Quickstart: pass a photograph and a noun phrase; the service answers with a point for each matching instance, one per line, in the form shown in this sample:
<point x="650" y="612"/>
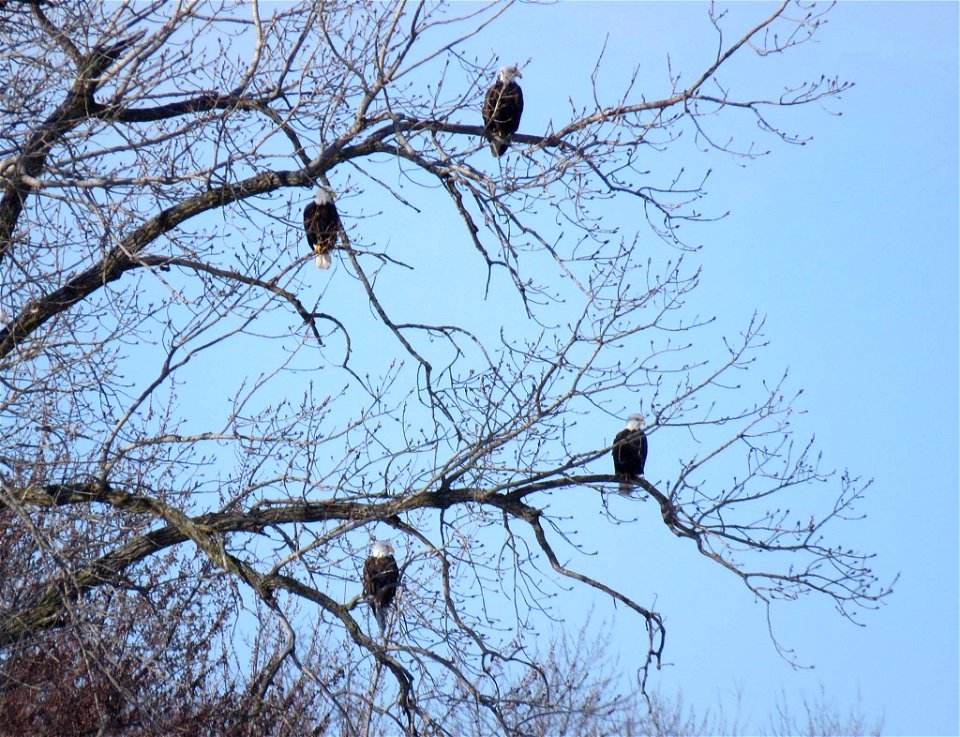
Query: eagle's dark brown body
<point x="629" y="455"/>
<point x="502" y="108"/>
<point x="321" y="221"/>
<point x="381" y="576"/>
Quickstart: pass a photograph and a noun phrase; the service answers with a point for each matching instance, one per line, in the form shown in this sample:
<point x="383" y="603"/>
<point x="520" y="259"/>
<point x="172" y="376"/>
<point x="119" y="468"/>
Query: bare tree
<point x="823" y="717"/>
<point x="578" y="688"/>
<point x="201" y="434"/>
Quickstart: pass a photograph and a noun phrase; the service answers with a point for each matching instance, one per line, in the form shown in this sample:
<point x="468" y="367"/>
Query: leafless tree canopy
<point x="201" y="433"/>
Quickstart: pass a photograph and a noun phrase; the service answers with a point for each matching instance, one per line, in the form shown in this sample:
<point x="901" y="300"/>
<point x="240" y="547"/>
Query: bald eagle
<point x="502" y="108"/>
<point x="630" y="452"/>
<point x="380" y="579"/>
<point x="322" y="224"/>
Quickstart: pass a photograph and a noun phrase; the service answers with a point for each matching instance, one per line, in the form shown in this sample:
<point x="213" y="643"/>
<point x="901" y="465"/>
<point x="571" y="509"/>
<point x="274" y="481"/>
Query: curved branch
<point x="125" y="256"/>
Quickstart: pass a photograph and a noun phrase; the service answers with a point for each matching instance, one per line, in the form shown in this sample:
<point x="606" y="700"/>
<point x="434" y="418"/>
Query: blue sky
<point x="849" y="246"/>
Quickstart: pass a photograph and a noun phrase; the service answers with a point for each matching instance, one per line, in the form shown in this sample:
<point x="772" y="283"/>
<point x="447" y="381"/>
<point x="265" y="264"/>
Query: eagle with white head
<point x="502" y="108"/>
<point x="321" y="221"/>
<point x="381" y="576"/>
<point x="630" y="452"/>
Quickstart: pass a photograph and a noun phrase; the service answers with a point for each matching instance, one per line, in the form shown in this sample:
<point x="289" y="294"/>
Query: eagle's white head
<point x="634" y="421"/>
<point x="323" y="196"/>
<point x="508" y="74"/>
<point x="381" y="549"/>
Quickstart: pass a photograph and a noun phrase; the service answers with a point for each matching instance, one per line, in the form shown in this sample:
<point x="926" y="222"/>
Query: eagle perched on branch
<point x="381" y="576"/>
<point x="630" y="452"/>
<point x="321" y="221"/>
<point x="502" y="108"/>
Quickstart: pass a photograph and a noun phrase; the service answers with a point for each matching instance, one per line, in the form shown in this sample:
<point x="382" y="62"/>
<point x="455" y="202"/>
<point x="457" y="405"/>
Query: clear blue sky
<point x="849" y="246"/>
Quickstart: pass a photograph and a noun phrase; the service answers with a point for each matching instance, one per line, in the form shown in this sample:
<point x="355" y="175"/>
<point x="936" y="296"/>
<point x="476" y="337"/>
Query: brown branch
<point x="124" y="256"/>
<point x="48" y="610"/>
<point x="74" y="109"/>
<point x="655" y="628"/>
